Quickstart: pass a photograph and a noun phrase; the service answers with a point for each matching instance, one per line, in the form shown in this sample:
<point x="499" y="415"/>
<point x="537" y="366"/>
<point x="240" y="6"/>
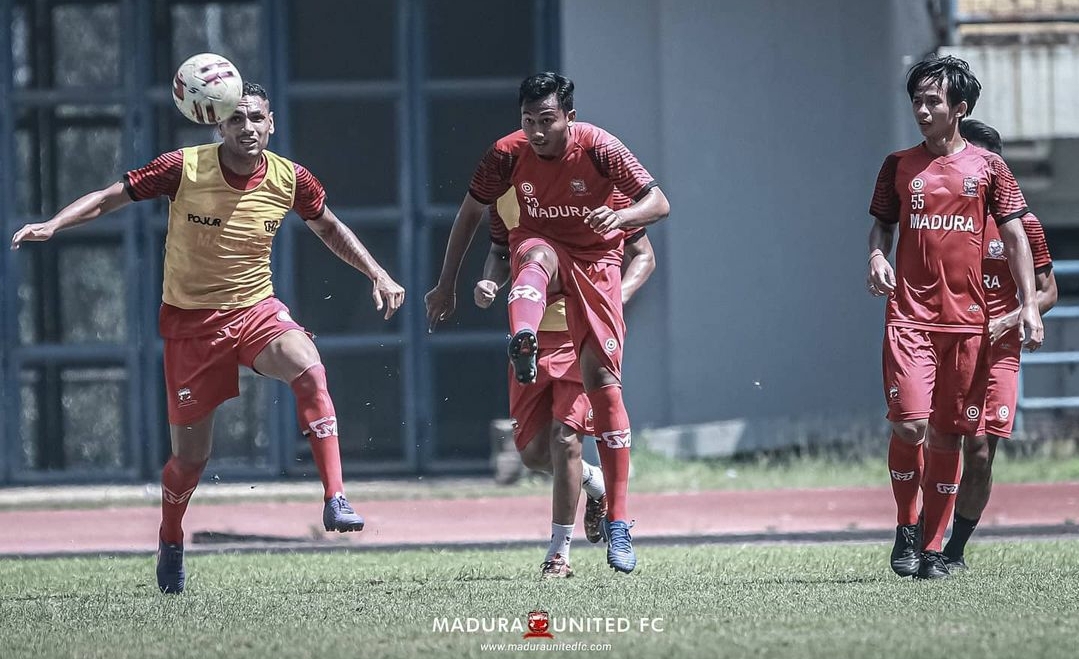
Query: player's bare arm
<point x="651" y="208"/>
<point x="881" y="278"/>
<point x="496" y="274"/>
<point x="386" y="292"/>
<point x="1021" y="264"/>
<point x="1046" y="284"/>
<point x="441" y="300"/>
<point x="84" y="209"/>
<point x="637" y="266"/>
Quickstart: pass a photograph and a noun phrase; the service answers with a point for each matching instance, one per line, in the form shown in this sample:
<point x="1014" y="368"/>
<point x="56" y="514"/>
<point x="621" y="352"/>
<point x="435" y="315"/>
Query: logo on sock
<point x="324" y="427"/>
<point x="526" y="292"/>
<point x="902" y="475"/>
<point x="617" y="438"/>
<point x="947" y="488"/>
<point x="171" y="497"/>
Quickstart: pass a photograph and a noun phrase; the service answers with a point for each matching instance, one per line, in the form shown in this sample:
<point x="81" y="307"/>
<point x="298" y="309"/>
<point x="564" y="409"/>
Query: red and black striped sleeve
<point x="1039" y="249"/>
<point x="492" y="177"/>
<point x="885" y="203"/>
<point x="1006" y="201"/>
<point x="310" y="198"/>
<point x="161" y="177"/>
<point x="616" y="162"/>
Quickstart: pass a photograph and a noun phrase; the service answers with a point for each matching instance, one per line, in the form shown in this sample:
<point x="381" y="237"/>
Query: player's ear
<point x="270" y="117"/>
<point x="961" y="109"/>
<point x="571" y="115"/>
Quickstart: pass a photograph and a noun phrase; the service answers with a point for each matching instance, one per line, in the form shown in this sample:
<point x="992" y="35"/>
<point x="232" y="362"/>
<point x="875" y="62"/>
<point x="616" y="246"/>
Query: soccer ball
<point x="207" y="88"/>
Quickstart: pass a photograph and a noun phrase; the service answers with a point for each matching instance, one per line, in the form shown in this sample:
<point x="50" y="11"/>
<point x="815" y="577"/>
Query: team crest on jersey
<point x="577" y="187"/>
<point x="917" y="184"/>
<point x="185" y="397"/>
<point x="527" y="188"/>
<point x="970" y="186"/>
<point x="893" y="392"/>
<point x="995" y="249"/>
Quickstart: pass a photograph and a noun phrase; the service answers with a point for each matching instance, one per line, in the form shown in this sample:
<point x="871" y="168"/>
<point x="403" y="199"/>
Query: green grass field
<point x="1020" y="599"/>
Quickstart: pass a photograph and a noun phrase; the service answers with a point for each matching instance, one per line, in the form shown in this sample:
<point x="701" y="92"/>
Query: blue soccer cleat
<point x="522" y="350"/>
<point x="170" y="567"/>
<point x="338" y="515"/>
<point x="620" y="555"/>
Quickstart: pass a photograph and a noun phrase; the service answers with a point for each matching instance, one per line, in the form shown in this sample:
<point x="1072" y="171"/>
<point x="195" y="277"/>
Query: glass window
<point x="362" y="34"/>
<point x="174" y="131"/>
<point x="351" y="147"/>
<point x="366" y="390"/>
<point x="30" y="419"/>
<point x="232" y="30"/>
<point x="471" y="390"/>
<point x="332" y="297"/>
<point x="93" y="293"/>
<point x="241" y="436"/>
<point x="20" y="47"/>
<point x="459" y="133"/>
<point x="86" y="38"/>
<point x="28" y="163"/>
<point x="88" y="154"/>
<point x="468" y="316"/>
<point x="93" y="401"/>
<point x="475" y="38"/>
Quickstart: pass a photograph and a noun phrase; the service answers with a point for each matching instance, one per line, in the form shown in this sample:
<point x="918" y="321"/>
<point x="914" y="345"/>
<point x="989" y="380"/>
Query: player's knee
<point x="535" y="456"/>
<point x="977" y="457"/>
<point x="564" y="443"/>
<point x="310" y="382"/>
<point x="911" y="432"/>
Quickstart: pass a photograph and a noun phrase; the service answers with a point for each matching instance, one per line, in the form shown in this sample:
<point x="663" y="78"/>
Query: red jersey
<point x="500" y="225"/>
<point x="1001" y="292"/>
<point x="941" y="204"/>
<point x="161" y="178"/>
<point x="556" y="194"/>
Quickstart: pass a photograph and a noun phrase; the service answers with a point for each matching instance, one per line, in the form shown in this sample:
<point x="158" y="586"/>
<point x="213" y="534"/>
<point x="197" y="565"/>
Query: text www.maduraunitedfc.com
<point x="567" y="646"/>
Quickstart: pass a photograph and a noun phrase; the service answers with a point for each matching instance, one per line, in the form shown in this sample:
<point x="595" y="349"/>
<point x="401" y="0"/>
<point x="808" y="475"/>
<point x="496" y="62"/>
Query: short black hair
<point x="981" y="134"/>
<point x="962" y="85"/>
<point x="542" y="85"/>
<point x="255" y="89"/>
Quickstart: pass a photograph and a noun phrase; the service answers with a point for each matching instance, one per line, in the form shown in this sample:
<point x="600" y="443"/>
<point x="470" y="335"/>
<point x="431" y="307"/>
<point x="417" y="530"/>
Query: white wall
<point x="765" y="122"/>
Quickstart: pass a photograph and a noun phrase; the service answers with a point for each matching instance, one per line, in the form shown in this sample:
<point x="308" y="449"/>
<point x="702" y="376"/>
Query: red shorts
<point x="938" y="376"/>
<point x="593" y="292"/>
<point x="557" y="393"/>
<point x="205" y="347"/>
<point x="1002" y="392"/>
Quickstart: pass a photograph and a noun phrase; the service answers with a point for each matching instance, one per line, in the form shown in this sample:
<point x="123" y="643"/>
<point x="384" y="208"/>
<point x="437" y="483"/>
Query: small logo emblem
<point x="973" y="412"/>
<point x="538" y="624"/>
<point x="284" y="317"/>
<point x="185" y="397"/>
<point x="917" y="184"/>
<point x="577" y="187"/>
<point x="324" y="427"/>
<point x="947" y="488"/>
<point x="1003" y="413"/>
<point x="995" y="249"/>
<point x="271" y="226"/>
<point x="902" y="475"/>
<point x="527" y="188"/>
<point x="617" y="438"/>
<point x="970" y="186"/>
<point x="893" y="392"/>
<point x="610" y="345"/>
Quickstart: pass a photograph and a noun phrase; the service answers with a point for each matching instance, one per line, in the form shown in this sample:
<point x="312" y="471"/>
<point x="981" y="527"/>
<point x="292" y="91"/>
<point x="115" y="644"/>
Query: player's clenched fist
<point x="485" y="293"/>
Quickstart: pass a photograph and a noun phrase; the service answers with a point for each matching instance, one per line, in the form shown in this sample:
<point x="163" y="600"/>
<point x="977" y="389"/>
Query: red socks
<point x="528" y="298"/>
<point x="318" y="422"/>
<point x="905" y="465"/>
<point x="178" y="482"/>
<point x="941" y="486"/>
<point x="612" y="442"/>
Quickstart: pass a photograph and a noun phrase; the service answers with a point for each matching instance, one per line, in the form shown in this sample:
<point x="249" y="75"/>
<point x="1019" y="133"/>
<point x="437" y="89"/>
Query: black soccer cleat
<point x="905" y="559"/>
<point x="955" y="563"/>
<point x="933" y="566"/>
<point x="522" y="350"/>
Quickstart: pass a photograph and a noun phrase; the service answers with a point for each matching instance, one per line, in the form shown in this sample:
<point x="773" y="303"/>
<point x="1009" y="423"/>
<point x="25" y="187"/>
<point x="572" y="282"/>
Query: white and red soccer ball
<point x="207" y="88"/>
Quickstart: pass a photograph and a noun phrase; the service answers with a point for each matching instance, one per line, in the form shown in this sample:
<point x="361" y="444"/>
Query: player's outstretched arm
<point x="442" y="299"/>
<point x="651" y="208"/>
<point x="496" y="274"/>
<point x="1021" y="264"/>
<point x="87" y="207"/>
<point x="637" y="266"/>
<point x="386" y="293"/>
<point x="881" y="278"/>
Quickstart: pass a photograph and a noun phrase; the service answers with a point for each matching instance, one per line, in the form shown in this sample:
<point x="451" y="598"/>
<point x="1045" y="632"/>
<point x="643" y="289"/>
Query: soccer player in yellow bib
<point x="218" y="307"/>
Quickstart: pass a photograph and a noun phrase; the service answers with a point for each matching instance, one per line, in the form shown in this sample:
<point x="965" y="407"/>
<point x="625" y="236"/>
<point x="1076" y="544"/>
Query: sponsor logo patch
<point x="902" y="475"/>
<point x="973" y="412"/>
<point x="324" y="427"/>
<point x="970" y="186"/>
<point x="947" y="488"/>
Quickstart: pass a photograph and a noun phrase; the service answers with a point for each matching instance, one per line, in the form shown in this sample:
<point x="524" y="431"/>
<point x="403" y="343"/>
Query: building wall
<point x="765" y="123"/>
